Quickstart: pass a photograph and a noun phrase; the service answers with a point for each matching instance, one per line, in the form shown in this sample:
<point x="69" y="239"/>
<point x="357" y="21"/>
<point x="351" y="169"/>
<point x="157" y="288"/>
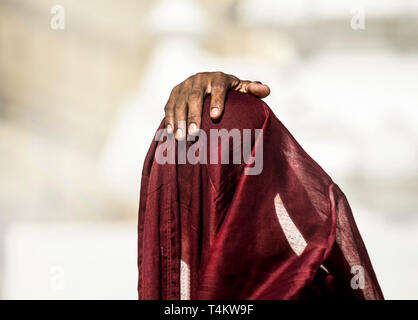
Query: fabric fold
<point x="213" y="231"/>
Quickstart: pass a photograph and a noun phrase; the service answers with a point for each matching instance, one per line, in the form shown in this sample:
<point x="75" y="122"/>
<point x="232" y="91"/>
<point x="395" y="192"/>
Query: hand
<point x="186" y="99"/>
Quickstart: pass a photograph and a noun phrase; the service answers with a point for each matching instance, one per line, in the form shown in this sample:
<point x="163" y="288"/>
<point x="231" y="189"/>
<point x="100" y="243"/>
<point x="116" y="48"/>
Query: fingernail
<point x="214" y="112"/>
<point x="193" y="128"/>
<point x="169" y="128"/>
<point x="179" y="133"/>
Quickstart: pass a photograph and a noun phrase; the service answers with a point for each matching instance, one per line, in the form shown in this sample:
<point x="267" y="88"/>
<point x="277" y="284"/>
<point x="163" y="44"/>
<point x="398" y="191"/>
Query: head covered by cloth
<point x="271" y="225"/>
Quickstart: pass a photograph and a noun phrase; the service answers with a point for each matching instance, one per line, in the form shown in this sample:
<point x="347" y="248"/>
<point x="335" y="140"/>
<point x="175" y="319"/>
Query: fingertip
<point x="169" y="128"/>
<point x="193" y="129"/>
<point x="179" y="134"/>
<point x="215" y="113"/>
<point x="259" y="89"/>
<point x="267" y="90"/>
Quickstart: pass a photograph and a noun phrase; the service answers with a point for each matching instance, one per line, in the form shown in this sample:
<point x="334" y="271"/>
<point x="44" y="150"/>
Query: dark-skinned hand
<point x="186" y="99"/>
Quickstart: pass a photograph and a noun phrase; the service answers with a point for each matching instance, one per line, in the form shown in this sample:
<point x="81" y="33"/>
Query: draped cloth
<point x="211" y="231"/>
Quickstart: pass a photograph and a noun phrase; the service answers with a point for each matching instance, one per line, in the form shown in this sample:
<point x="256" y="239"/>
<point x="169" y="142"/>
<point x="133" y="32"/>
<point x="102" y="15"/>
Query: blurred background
<point x="82" y="90"/>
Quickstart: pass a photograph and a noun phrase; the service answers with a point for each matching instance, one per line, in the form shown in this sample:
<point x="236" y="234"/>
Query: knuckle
<point x="194" y="95"/>
<point x="179" y="109"/>
<point x="187" y="80"/>
<point x="218" y="86"/>
<point x="198" y="77"/>
<point x="175" y="89"/>
<point x="200" y="74"/>
<point x="234" y="80"/>
<point x="168" y="109"/>
<point x="193" y="117"/>
<point x="188" y="85"/>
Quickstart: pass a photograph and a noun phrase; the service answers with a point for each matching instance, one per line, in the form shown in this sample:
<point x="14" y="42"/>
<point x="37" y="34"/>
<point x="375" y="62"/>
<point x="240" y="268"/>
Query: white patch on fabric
<point x="292" y="233"/>
<point x="184" y="281"/>
<point x="325" y="269"/>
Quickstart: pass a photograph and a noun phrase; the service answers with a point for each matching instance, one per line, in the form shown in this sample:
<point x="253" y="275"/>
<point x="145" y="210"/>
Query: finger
<point x="254" y="87"/>
<point x="218" y="91"/>
<point x="180" y="110"/>
<point x="258" y="89"/>
<point x="195" y="105"/>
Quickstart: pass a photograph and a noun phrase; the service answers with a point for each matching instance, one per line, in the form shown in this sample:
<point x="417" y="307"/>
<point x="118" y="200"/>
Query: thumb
<point x="258" y="89"/>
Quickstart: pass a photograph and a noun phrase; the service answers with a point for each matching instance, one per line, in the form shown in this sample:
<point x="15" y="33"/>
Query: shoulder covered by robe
<point x="211" y="231"/>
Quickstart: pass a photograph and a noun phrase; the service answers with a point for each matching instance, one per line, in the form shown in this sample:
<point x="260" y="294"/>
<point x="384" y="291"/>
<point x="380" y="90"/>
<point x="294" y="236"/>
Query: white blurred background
<point x="79" y="107"/>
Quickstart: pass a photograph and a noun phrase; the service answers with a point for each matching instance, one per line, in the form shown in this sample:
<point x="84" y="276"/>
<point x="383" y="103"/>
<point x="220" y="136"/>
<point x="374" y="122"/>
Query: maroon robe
<point x="210" y="231"/>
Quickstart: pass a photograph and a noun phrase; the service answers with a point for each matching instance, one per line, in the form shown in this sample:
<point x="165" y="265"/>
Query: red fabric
<point x="224" y="224"/>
